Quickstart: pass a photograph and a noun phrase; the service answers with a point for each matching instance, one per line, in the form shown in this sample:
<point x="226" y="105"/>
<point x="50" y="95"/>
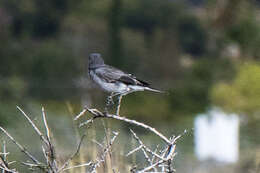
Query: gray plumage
<point x="114" y="80"/>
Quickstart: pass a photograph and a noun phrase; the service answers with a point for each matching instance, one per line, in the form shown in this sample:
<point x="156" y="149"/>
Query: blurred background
<point x="205" y="53"/>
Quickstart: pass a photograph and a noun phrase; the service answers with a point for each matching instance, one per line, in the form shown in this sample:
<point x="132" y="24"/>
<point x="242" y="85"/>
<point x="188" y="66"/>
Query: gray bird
<point x="114" y="80"/>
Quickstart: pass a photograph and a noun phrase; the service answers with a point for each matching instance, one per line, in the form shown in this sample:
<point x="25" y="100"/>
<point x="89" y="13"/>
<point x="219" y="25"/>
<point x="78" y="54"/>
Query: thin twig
<point x="143" y="147"/>
<point x="4" y="150"/>
<point x="4" y="165"/>
<point x="46" y="124"/>
<point x="34" y="126"/>
<point x="155" y="151"/>
<point x="23" y="149"/>
<point x="146" y="148"/>
<point x="63" y="167"/>
<point x="78" y="166"/>
<point x="151" y="167"/>
<point x="50" y="156"/>
<point x="97" y="114"/>
<point x="80" y="114"/>
<point x="106" y="141"/>
<point x="134" y="150"/>
<point x="45" y="154"/>
<point x="103" y="155"/>
<point x="7" y="170"/>
<point x="32" y="166"/>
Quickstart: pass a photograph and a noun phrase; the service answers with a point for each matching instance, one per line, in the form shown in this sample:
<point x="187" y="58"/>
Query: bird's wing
<point x="132" y="80"/>
<point x="111" y="74"/>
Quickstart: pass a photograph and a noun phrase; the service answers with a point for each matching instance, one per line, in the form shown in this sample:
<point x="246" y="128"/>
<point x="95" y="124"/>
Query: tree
<point x="242" y="94"/>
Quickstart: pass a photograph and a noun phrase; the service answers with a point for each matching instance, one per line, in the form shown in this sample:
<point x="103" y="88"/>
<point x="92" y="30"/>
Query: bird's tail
<point x="153" y="90"/>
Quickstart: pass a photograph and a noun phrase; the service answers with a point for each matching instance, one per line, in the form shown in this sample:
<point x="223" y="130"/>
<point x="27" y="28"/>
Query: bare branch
<point x="33" y="166"/>
<point x="80" y="114"/>
<point x="50" y="153"/>
<point x="150" y="167"/>
<point x="134" y="150"/>
<point x="7" y="170"/>
<point x="90" y="121"/>
<point x="145" y="147"/>
<point x="97" y="114"/>
<point x="99" y="144"/>
<point x="159" y="159"/>
<point x="101" y="159"/>
<point x="155" y="151"/>
<point x="63" y="167"/>
<point x="34" y="126"/>
<point x="46" y="124"/>
<point x="5" y="153"/>
<point x="77" y="166"/>
<point x="163" y="161"/>
<point x="23" y="149"/>
<point x="4" y="165"/>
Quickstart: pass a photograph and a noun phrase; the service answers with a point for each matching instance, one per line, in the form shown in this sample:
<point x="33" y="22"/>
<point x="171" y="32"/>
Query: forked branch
<point x="97" y="114"/>
<point x="158" y="160"/>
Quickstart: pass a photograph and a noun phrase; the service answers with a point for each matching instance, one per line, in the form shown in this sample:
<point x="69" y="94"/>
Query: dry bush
<point x="104" y="157"/>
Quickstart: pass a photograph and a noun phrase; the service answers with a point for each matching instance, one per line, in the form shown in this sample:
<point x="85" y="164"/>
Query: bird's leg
<point x="120" y="95"/>
<point x="109" y="102"/>
<point x="119" y="104"/>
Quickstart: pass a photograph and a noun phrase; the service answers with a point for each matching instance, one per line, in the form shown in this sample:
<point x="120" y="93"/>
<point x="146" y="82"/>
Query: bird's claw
<point x="109" y="104"/>
<point x="110" y="101"/>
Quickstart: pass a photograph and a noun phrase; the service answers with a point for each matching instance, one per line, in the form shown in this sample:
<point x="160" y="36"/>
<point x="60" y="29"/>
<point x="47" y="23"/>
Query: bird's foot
<point x="110" y="101"/>
<point x="109" y="104"/>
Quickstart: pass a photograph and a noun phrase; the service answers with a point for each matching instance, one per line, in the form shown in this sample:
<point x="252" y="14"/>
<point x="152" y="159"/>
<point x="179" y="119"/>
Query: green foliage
<point x="13" y="88"/>
<point x="246" y="33"/>
<point x="243" y="93"/>
<point x="146" y="106"/>
<point x="35" y="18"/>
<point x="115" y="25"/>
<point x="42" y="68"/>
<point x="192" y="36"/>
<point x="44" y="45"/>
<point x="192" y="96"/>
<point x="147" y="16"/>
<point x="54" y="71"/>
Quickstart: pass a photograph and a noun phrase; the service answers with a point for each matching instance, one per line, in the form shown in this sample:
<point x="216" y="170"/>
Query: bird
<point x="113" y="80"/>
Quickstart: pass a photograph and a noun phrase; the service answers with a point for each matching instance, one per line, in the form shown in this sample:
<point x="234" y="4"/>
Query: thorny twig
<point x="48" y="151"/>
<point x="4" y="164"/>
<point x="105" y="151"/>
<point x="78" y="166"/>
<point x="146" y="149"/>
<point x="161" y="160"/>
<point x="34" y="126"/>
<point x="97" y="114"/>
<point x="22" y="148"/>
<point x="64" y="166"/>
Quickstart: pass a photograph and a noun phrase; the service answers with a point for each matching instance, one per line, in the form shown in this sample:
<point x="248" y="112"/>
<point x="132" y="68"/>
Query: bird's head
<point x="95" y="60"/>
